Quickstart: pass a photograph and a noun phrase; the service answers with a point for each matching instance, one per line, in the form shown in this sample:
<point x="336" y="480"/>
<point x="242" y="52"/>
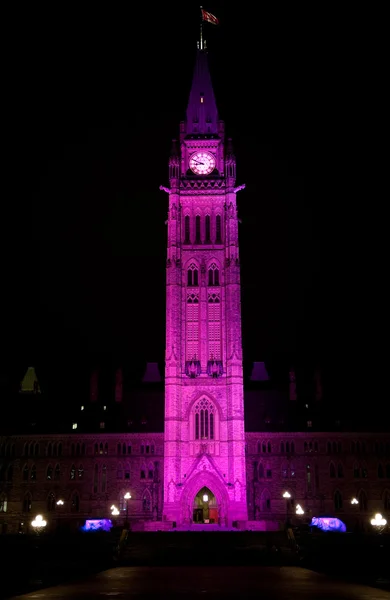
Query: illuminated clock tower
<point x="204" y="440"/>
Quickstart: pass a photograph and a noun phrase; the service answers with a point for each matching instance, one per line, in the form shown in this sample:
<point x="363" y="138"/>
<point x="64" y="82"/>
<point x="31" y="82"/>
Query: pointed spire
<point x="29" y="383"/>
<point x="202" y="113"/>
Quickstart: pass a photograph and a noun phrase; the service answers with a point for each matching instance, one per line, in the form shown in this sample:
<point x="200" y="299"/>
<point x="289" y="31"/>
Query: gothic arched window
<point x="104" y="478"/>
<point x="197" y="230"/>
<point x="192" y="318"/>
<point x="75" y="502"/>
<point x="72" y="474"/>
<point x="218" y="230"/>
<point x="192" y="275"/>
<point x="57" y="472"/>
<point x="213" y="275"/>
<point x="49" y="472"/>
<point x="207" y="230"/>
<point x="362" y="500"/>
<point x="340" y="470"/>
<point x="214" y="326"/>
<point x="150" y="471"/>
<point x="146" y="501"/>
<point x="81" y="472"/>
<point x="27" y="503"/>
<point x="51" y="502"/>
<point x="338" y="500"/>
<point x="33" y="473"/>
<point x="265" y="501"/>
<point x="95" y="479"/>
<point x="187" y="234"/>
<point x="25" y="473"/>
<point x="204" y="420"/>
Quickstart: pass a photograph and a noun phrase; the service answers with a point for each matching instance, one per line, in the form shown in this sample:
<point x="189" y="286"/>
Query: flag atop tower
<point x="206" y="16"/>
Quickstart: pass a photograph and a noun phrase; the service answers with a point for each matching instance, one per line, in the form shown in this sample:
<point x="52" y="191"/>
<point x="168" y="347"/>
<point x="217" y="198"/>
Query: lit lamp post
<point x="127" y="497"/>
<point x="287" y="496"/>
<point x="60" y="502"/>
<point x="299" y="510"/>
<point x="354" y="501"/>
<point x="114" y="510"/>
<point x="39" y="524"/>
<point x="378" y="522"/>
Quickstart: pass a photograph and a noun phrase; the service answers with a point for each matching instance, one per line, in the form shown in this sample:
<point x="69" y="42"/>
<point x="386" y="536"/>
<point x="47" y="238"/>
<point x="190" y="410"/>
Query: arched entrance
<point x="205" y="507"/>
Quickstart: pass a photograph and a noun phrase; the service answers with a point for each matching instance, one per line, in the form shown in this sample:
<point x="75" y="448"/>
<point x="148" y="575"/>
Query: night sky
<point x="97" y="96"/>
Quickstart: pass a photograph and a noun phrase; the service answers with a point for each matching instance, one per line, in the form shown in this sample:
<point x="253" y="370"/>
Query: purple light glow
<point x="328" y="524"/>
<point x="97" y="525"/>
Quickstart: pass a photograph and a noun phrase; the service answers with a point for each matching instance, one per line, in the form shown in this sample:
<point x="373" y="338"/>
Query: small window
<point x="207" y="230"/>
<point x="74" y="425"/>
<point x="197" y="230"/>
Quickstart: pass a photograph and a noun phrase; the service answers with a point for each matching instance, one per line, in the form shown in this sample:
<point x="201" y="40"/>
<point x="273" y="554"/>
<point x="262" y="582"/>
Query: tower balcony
<point x="214" y="368"/>
<point x="192" y="368"/>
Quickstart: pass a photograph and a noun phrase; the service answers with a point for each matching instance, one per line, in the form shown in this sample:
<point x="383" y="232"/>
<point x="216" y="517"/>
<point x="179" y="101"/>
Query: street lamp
<point x="114" y="510"/>
<point x="287" y="496"/>
<point x="354" y="501"/>
<point x="127" y="497"/>
<point x="378" y="522"/>
<point x="39" y="524"/>
<point x="299" y="510"/>
<point x="60" y="502"/>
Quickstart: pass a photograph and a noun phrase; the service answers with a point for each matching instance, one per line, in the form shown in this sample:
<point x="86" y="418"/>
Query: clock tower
<point x="204" y="440"/>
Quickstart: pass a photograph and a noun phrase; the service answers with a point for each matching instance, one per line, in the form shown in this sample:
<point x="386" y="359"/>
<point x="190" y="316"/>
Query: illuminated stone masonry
<point x="322" y="472"/>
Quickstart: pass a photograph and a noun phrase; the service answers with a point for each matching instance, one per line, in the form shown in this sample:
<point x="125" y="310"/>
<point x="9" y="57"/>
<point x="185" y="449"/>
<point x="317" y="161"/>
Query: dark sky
<point x="96" y="96"/>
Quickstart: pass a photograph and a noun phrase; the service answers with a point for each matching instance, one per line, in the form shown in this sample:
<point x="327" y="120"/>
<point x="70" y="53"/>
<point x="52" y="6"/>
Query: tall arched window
<point x="150" y="471"/>
<point x="207" y="230"/>
<point x="57" y="472"/>
<point x="332" y="470"/>
<point x="261" y="471"/>
<point x="204" y="415"/>
<point x="146" y="501"/>
<point x="187" y="232"/>
<point x="95" y="479"/>
<point x="33" y="473"/>
<point x="265" y="501"/>
<point x="362" y="500"/>
<point x="192" y="318"/>
<point x="27" y="502"/>
<point x="308" y="478"/>
<point x="25" y="473"/>
<point x="284" y="471"/>
<point x="51" y="502"/>
<point x="75" y="502"/>
<point x="49" y="472"/>
<point x="338" y="500"/>
<point x="81" y="472"/>
<point x="72" y="474"/>
<point x="197" y="230"/>
<point x="214" y="326"/>
<point x="213" y="275"/>
<point x="3" y="503"/>
<point x="218" y="230"/>
<point x="340" y="470"/>
<point x="192" y="275"/>
<point x="104" y="478"/>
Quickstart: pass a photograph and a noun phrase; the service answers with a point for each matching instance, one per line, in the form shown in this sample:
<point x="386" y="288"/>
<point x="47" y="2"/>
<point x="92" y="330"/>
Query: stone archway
<point x="217" y="489"/>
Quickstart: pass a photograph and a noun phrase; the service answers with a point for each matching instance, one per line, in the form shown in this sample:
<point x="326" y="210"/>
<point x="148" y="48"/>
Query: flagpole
<point x="201" y="30"/>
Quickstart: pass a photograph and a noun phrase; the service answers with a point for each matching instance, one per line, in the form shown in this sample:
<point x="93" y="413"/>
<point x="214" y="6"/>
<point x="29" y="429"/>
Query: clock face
<point x="202" y="163"/>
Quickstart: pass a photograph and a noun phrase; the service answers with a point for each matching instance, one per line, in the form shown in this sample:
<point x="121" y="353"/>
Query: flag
<point x="206" y="16"/>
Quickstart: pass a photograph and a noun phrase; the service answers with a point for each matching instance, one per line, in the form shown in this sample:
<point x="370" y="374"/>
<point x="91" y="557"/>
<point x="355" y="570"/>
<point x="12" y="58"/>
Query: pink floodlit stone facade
<point x="204" y="439"/>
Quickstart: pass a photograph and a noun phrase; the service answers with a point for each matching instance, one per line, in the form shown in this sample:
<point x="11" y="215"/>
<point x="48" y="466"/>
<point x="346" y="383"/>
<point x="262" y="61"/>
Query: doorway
<point x="205" y="508"/>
